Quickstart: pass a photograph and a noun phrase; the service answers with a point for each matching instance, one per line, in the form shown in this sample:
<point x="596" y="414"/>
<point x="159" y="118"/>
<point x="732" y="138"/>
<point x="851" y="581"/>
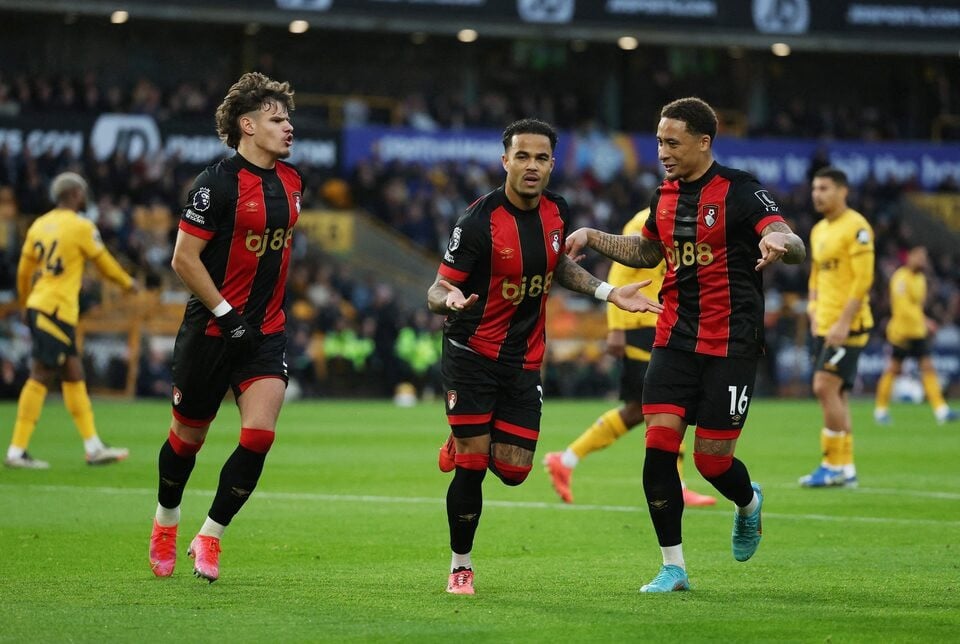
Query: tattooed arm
<point x="571" y="275"/>
<point x="777" y="241"/>
<point x="631" y="250"/>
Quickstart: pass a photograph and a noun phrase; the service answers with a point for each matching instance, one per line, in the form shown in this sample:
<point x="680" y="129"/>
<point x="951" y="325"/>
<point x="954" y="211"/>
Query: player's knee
<point x="663" y="438"/>
<point x="475" y="462"/>
<point x="510" y="474"/>
<point x="710" y="465"/>
<point x="257" y="440"/>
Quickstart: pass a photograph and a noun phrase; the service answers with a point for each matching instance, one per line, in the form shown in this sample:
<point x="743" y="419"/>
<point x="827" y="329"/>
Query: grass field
<point x="346" y="538"/>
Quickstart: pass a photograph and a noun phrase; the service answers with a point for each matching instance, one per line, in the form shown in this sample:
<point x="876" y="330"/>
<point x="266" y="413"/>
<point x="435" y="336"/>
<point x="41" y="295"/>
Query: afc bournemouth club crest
<point x="711" y="212"/>
<point x="451" y="399"/>
<point x="177" y="396"/>
<point x="296" y="201"/>
<point x="555" y="241"/>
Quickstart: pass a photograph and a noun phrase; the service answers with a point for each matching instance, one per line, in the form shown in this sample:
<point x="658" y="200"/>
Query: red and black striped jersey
<point x="507" y="257"/>
<point x="247" y="215"/>
<point x="710" y="232"/>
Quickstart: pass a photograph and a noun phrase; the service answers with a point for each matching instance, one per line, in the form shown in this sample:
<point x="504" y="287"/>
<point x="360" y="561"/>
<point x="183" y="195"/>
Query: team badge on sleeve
<point x="767" y="201"/>
<point x="863" y="236"/>
<point x="201" y="199"/>
<point x="455" y="239"/>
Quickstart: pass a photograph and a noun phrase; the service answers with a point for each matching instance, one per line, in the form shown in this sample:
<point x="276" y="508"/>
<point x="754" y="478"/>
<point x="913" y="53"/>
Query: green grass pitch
<point x="346" y="539"/>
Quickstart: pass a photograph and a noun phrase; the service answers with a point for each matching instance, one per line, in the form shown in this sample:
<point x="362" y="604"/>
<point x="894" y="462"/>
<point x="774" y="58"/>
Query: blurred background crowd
<point x="354" y="329"/>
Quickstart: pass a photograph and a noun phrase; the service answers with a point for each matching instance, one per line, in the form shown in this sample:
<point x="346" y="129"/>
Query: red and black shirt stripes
<point x="710" y="230"/>
<point x="247" y="215"/>
<point x="507" y="257"/>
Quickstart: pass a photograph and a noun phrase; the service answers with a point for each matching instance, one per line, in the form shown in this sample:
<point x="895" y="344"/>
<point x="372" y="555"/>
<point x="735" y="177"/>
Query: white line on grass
<point x="533" y="505"/>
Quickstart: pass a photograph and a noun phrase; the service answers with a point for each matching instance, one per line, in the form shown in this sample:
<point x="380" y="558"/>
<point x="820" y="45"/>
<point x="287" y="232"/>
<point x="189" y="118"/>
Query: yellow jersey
<point x="621" y="275"/>
<point x="52" y="260"/>
<point x="841" y="270"/>
<point x="908" y="293"/>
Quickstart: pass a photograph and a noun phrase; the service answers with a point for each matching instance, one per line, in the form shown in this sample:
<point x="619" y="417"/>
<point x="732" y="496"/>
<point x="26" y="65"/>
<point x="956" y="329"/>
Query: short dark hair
<point x="696" y="113"/>
<point x="838" y="176"/>
<point x="250" y="93"/>
<point x="529" y="126"/>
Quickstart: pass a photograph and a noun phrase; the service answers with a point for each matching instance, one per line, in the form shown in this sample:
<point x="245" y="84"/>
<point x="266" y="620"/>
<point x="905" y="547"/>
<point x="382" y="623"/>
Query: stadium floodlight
<point x="780" y="49"/>
<point x="119" y="17"/>
<point x="299" y="26"/>
<point x="627" y="43"/>
<point x="467" y="35"/>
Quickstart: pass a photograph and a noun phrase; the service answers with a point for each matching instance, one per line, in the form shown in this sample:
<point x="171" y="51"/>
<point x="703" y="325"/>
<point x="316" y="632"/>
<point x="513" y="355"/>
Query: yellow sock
<point x="28" y="412"/>
<point x="931" y="386"/>
<point x="884" y="387"/>
<point x="77" y="402"/>
<point x="607" y="429"/>
<point x="846" y="450"/>
<point x="832" y="443"/>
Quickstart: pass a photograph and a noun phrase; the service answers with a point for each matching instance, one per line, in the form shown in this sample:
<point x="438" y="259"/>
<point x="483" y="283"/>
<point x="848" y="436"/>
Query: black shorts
<point x="839" y="361"/>
<point x="485" y="397"/>
<point x="710" y="392"/>
<point x="203" y="369"/>
<point x="53" y="340"/>
<point x="633" y="369"/>
<point x="916" y="348"/>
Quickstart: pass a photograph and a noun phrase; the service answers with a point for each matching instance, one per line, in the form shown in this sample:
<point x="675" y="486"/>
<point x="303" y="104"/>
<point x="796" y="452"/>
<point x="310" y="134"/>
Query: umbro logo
<point x="506" y="253"/>
<point x="251" y="205"/>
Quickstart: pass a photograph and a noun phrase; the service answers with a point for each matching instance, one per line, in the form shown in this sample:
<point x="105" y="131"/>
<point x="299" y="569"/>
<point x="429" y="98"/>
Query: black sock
<point x="661" y="484"/>
<point x="464" y="504"/>
<point x="174" y="473"/>
<point x="238" y="478"/>
<point x="734" y="484"/>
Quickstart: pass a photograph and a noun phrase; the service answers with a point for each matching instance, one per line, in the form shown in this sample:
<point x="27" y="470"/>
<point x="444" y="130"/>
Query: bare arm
<point x="444" y="296"/>
<point x="188" y="267"/>
<point x="571" y="275"/>
<point x="632" y="250"/>
<point x="777" y="241"/>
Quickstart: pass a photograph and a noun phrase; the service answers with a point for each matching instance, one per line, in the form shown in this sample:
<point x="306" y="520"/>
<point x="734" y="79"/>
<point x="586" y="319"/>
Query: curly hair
<point x="696" y="113"/>
<point x="252" y="92"/>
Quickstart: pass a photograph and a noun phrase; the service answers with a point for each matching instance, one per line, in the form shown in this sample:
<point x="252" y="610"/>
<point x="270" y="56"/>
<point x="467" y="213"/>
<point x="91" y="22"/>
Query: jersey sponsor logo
<point x="275" y="240"/>
<point x="555" y="241"/>
<point x="177" y="396"/>
<point x="688" y="254"/>
<point x="710" y="212"/>
<point x="201" y="199"/>
<point x="767" y="201"/>
<point x="455" y="239"/>
<point x="538" y="285"/>
<point x="863" y="236"/>
<point x="451" y="398"/>
<point x="194" y="216"/>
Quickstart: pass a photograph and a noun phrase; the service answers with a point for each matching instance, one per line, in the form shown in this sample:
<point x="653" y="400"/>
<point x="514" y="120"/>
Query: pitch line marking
<point x="530" y="505"/>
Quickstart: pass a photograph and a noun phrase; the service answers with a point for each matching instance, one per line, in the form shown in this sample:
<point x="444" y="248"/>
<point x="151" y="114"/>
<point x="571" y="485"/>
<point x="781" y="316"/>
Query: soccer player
<point x="630" y="338"/>
<point x="907" y="333"/>
<point x="49" y="274"/>
<point x="232" y="252"/>
<point x="717" y="228"/>
<point x="505" y="252"/>
<point x="841" y="273"/>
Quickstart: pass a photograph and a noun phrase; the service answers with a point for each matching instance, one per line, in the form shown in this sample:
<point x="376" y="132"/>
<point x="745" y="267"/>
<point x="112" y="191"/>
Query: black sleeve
<point x="206" y="203"/>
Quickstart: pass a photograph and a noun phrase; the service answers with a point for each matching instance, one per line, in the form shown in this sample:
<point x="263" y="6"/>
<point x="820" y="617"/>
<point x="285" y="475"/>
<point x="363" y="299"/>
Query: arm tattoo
<point x="575" y="277"/>
<point x="631" y="250"/>
<point x="796" y="251"/>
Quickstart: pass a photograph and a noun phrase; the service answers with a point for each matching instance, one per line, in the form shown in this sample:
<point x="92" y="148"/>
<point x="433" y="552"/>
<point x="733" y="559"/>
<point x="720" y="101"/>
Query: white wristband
<point x="603" y="291"/>
<point x="221" y="309"/>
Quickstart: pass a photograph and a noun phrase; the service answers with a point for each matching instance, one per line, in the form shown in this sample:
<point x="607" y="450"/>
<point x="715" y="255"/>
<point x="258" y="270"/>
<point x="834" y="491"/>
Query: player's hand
<point x="240" y="337"/>
<point x="837" y="334"/>
<point x="616" y="342"/>
<point x="456" y="301"/>
<point x="629" y="298"/>
<point x="576" y="242"/>
<point x="772" y="247"/>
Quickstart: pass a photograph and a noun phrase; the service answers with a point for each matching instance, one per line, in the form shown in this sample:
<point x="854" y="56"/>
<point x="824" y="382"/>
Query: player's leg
<point x="669" y="397"/>
<point x="49" y="348"/>
<point x="470" y="386"/>
<point x="931" y="386"/>
<point x="77" y="401"/>
<point x="881" y="410"/>
<point x="727" y="392"/>
<point x="834" y="374"/>
<point x="516" y="424"/>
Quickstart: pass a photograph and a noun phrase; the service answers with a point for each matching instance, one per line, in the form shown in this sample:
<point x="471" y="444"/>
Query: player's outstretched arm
<point x="571" y="275"/>
<point x="445" y="296"/>
<point x="632" y="250"/>
<point x="778" y="242"/>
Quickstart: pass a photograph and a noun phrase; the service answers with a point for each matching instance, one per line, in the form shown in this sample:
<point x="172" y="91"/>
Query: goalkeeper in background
<point x="908" y="335"/>
<point x="629" y="337"/>
<point x="49" y="274"/>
